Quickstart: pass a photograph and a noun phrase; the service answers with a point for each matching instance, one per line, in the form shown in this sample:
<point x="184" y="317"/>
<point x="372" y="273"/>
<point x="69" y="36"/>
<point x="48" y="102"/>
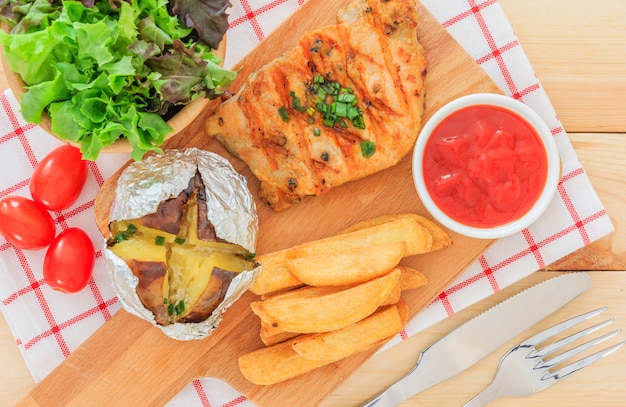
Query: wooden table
<point x="578" y="50"/>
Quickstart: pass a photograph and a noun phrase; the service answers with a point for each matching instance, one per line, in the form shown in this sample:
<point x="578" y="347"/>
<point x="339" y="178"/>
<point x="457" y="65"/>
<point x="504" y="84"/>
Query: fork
<point x="525" y="370"/>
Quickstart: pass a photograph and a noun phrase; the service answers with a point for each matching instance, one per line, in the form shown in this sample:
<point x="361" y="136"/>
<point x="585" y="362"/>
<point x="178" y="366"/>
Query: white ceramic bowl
<point x="514" y="225"/>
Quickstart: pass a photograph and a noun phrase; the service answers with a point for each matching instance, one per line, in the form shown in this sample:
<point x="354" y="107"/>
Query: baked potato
<point x="184" y="269"/>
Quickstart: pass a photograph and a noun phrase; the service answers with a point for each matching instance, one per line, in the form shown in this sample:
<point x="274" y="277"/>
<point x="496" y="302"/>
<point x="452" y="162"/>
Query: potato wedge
<point x="273" y="277"/>
<point x="410" y="278"/>
<point x="273" y="339"/>
<point x="339" y="344"/>
<point x="268" y="330"/>
<point x="403" y="310"/>
<point x="394" y="295"/>
<point x="304" y="292"/>
<point x="440" y="239"/>
<point x="275" y="364"/>
<point x="353" y="266"/>
<point x="326" y="312"/>
<point x="417" y="237"/>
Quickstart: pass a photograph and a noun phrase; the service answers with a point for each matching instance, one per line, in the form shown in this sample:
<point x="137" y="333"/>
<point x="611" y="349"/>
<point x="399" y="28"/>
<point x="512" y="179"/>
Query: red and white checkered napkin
<point x="48" y="325"/>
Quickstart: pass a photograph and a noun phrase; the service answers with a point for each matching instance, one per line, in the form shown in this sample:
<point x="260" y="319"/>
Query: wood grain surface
<point x="102" y="369"/>
<point x="598" y="385"/>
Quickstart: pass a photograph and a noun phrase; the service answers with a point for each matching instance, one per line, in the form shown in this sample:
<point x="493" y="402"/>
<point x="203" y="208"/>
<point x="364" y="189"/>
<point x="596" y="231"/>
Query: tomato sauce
<point x="484" y="166"/>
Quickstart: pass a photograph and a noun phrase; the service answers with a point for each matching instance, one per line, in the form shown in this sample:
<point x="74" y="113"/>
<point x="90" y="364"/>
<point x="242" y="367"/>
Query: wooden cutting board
<point x="129" y="362"/>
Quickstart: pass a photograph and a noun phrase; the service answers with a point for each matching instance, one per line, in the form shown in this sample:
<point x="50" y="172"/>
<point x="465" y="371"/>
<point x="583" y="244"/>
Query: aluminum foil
<point x="143" y="185"/>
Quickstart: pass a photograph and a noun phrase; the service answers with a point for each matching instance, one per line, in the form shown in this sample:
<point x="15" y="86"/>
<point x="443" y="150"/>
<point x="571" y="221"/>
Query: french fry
<point x="410" y="278"/>
<point x="417" y="237"/>
<point x="274" y="274"/>
<point x="303" y="292"/>
<point x="268" y="331"/>
<point x="339" y="344"/>
<point x="351" y="266"/>
<point x="394" y="295"/>
<point x="403" y="310"/>
<point x="273" y="339"/>
<point x="326" y="312"/>
<point x="275" y="364"/>
<point x="440" y="239"/>
<point x="271" y="335"/>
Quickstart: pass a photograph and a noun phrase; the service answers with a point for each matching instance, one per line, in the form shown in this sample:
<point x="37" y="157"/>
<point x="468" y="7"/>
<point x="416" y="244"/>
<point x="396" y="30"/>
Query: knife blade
<point x="483" y="334"/>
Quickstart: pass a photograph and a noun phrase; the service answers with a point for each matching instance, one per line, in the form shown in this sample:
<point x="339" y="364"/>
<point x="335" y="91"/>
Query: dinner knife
<point x="483" y="334"/>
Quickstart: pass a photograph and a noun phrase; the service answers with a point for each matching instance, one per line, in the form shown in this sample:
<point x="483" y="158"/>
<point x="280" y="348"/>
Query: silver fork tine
<point x="576" y="366"/>
<point x="578" y="349"/>
<point x="555" y="330"/>
<point x="553" y="347"/>
<point x="523" y="370"/>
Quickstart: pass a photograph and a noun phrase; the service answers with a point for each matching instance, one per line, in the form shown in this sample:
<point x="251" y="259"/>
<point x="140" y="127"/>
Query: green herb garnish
<point x="284" y="115"/>
<point x="125" y="235"/>
<point x="179" y="308"/>
<point x="368" y="148"/>
<point x="335" y="103"/>
<point x="159" y="241"/>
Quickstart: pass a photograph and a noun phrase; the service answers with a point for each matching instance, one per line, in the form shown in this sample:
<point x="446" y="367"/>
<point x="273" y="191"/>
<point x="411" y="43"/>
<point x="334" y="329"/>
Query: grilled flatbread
<point x="276" y="122"/>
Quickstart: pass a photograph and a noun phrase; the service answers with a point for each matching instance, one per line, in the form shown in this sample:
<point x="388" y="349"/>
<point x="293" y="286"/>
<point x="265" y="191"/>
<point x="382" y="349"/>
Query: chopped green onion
<point x="346" y="98"/>
<point x="180" y="307"/>
<point x="316" y="131"/>
<point x="159" y="241"/>
<point x="284" y="115"/>
<point x="179" y="240"/>
<point x="296" y="103"/>
<point x="358" y="122"/>
<point x="368" y="148"/>
<point x="125" y="235"/>
<point x="341" y="109"/>
<point x="335" y="102"/>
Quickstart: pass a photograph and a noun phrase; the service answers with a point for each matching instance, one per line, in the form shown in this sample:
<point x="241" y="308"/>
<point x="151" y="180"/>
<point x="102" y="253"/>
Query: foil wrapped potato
<point x="183" y="227"/>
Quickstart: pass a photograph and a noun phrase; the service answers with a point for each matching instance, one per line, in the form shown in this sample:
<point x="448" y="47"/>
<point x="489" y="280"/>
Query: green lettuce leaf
<point x="208" y="17"/>
<point x="104" y="70"/>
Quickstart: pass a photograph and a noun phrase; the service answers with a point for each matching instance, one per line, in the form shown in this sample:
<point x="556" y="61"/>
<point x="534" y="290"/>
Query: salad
<point x="109" y="69"/>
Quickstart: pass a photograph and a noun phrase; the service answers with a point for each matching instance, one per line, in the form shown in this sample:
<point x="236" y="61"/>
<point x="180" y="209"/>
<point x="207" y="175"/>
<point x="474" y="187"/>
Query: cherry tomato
<point x="25" y="224"/>
<point x="59" y="178"/>
<point x="68" y="264"/>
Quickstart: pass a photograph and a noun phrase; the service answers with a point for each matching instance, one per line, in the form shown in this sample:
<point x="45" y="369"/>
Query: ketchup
<point x="484" y="166"/>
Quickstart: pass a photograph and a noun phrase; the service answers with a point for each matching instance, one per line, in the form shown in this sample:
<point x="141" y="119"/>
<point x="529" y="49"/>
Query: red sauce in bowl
<point x="484" y="166"/>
